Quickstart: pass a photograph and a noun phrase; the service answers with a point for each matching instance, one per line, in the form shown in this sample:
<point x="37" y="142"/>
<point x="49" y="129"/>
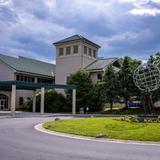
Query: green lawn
<point x="111" y="127"/>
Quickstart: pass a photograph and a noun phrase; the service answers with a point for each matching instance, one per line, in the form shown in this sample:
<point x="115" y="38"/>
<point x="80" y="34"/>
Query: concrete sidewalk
<point x="19" y="114"/>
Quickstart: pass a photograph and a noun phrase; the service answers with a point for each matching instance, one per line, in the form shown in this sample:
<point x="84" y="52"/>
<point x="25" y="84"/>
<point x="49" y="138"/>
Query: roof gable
<point x="28" y="65"/>
<point x="101" y="64"/>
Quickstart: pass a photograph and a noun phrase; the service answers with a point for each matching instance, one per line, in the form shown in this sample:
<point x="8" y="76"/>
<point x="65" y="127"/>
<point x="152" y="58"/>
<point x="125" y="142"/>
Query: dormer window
<point x="90" y="52"/>
<point x="61" y="50"/>
<point x="68" y="50"/>
<point x="75" y="49"/>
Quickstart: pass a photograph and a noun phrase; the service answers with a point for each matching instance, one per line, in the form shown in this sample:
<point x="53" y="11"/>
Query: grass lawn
<point x="111" y="127"/>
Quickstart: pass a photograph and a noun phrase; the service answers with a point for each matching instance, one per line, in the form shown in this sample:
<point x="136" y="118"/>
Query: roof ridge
<point x="29" y="65"/>
<point x="108" y="58"/>
<point x="91" y="63"/>
<point x="15" y="57"/>
<point x="22" y="57"/>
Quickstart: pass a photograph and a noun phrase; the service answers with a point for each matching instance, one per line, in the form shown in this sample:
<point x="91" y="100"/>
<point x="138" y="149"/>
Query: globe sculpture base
<point x="147" y="103"/>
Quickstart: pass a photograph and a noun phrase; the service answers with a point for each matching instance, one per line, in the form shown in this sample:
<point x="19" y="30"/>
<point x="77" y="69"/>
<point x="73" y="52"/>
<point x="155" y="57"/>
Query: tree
<point x="97" y="97"/>
<point x="110" y="85"/>
<point x="84" y="87"/>
<point x="127" y="86"/>
<point x="54" y="102"/>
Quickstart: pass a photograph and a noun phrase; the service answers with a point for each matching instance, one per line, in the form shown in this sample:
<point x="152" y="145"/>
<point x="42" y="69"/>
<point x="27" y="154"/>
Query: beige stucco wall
<point x="69" y="64"/>
<point x="86" y="58"/>
<point x="6" y="73"/>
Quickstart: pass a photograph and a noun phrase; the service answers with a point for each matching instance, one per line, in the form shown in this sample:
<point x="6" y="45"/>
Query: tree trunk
<point x="126" y="102"/>
<point x="111" y="105"/>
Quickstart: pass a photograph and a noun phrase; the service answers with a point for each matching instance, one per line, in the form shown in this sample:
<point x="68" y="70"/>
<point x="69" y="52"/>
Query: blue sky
<point x="122" y="27"/>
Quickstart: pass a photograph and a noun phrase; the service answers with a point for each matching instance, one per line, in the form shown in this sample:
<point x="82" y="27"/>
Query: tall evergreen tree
<point x="127" y="86"/>
<point x="110" y="85"/>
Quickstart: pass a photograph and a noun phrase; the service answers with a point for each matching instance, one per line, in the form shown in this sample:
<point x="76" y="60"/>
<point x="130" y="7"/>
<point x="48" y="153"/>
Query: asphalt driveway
<point x="20" y="141"/>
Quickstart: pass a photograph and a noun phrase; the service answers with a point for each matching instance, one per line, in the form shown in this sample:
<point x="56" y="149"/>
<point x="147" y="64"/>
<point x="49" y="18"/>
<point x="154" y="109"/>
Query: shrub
<point x="54" y="102"/>
<point x="140" y="119"/>
<point x="129" y="119"/>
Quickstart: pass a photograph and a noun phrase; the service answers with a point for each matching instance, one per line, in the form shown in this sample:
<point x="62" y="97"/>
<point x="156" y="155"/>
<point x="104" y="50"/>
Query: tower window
<point x="90" y="52"/>
<point x="94" y="53"/>
<point x="60" y="51"/>
<point x="75" y="49"/>
<point x="68" y="50"/>
<point x="85" y="49"/>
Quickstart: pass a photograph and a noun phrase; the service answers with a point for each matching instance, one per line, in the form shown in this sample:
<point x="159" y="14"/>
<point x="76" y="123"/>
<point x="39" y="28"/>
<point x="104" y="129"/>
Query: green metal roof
<point x="100" y="64"/>
<point x="23" y="64"/>
<point x="7" y="85"/>
<point x="76" y="37"/>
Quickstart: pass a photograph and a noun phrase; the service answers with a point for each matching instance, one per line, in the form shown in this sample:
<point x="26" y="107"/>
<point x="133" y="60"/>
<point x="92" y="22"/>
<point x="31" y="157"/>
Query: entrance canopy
<point x="17" y="85"/>
<point x="7" y="85"/>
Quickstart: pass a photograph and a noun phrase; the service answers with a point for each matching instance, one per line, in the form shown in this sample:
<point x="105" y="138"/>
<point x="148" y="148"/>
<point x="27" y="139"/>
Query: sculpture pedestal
<point x="147" y="103"/>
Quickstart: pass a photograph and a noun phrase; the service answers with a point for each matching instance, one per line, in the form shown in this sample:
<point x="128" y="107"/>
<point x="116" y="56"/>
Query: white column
<point x="13" y="100"/>
<point x="42" y="100"/>
<point x="74" y="101"/>
<point x="34" y="101"/>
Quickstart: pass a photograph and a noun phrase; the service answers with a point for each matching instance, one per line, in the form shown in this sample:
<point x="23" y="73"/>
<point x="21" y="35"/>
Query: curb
<point x="40" y="128"/>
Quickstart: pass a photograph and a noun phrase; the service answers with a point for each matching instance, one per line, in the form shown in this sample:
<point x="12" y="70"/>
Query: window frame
<point x="61" y="51"/>
<point x="75" y="49"/>
<point x="90" y="52"/>
<point x="85" y="50"/>
<point x="68" y="50"/>
<point x="94" y="53"/>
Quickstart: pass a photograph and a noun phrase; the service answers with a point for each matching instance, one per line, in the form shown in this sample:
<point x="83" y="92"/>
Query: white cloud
<point x="145" y="11"/>
<point x="144" y="7"/>
<point x="50" y="3"/>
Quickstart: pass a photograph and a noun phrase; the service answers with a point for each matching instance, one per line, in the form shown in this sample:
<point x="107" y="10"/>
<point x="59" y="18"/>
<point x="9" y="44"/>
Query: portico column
<point x="13" y="100"/>
<point x="34" y="101"/>
<point x="74" y="101"/>
<point x="42" y="100"/>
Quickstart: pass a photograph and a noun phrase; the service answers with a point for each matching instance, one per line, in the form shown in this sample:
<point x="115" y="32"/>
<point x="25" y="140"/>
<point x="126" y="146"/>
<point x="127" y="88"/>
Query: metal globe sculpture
<point x="147" y="77"/>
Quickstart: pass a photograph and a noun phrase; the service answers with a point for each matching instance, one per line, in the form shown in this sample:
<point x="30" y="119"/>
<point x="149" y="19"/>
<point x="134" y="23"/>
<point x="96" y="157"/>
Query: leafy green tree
<point x="110" y="85"/>
<point x="84" y="87"/>
<point x="54" y="102"/>
<point x="97" y="97"/>
<point x="127" y="87"/>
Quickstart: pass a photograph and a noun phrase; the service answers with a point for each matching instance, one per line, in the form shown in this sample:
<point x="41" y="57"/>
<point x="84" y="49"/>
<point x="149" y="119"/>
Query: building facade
<point x="25" y="70"/>
<point x="77" y="52"/>
<point x="72" y="53"/>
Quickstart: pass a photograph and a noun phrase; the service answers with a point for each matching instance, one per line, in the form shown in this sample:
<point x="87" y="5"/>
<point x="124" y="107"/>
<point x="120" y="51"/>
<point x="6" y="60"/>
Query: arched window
<point x="3" y="102"/>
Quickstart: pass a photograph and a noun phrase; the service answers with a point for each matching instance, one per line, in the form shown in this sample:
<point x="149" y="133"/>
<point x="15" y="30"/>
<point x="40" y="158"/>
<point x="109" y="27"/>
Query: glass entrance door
<point x="2" y="104"/>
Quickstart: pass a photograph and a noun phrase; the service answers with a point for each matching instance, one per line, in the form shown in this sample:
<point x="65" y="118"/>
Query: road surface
<point x="20" y="141"/>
